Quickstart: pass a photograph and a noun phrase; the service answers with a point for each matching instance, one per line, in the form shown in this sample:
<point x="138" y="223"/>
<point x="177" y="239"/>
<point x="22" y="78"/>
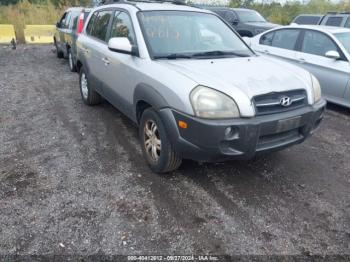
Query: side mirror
<point x="332" y="54"/>
<point x="122" y="45"/>
<point x="247" y="40"/>
<point x="58" y="24"/>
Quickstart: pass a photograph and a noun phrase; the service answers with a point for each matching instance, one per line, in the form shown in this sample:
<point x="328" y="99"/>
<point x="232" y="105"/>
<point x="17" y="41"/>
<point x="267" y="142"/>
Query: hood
<point x="266" y="25"/>
<point x="244" y="78"/>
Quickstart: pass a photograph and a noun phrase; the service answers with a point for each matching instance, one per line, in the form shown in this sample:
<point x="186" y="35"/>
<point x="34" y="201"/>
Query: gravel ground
<point x="73" y="181"/>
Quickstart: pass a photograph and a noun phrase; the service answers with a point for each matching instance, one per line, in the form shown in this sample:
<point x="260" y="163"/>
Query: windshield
<point x="249" y="16"/>
<point x="183" y="34"/>
<point x="344" y="38"/>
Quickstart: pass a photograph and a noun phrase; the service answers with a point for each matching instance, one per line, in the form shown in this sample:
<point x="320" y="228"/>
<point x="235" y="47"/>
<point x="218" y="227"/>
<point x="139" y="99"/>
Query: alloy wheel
<point x="84" y="86"/>
<point x="152" y="140"/>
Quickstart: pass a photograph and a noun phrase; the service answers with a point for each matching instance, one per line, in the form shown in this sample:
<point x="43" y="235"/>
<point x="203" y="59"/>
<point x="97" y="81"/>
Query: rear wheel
<point x="59" y="53"/>
<point x="72" y="66"/>
<point x="156" y="146"/>
<point x="88" y="94"/>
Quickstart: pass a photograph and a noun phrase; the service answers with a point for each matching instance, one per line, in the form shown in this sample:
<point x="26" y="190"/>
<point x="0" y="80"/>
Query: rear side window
<point x="285" y="39"/>
<point x="91" y="23"/>
<point x="99" y="25"/>
<point x="267" y="39"/>
<point x="74" y="20"/>
<point x="334" y="21"/>
<point x="307" y="20"/>
<point x="67" y="20"/>
<point x="63" y="20"/>
<point x="220" y="13"/>
<point x="347" y="23"/>
<point x="317" y="43"/>
<point x="122" y="27"/>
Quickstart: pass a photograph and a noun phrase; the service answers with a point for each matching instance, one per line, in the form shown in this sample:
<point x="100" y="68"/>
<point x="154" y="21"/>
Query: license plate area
<point x="288" y="124"/>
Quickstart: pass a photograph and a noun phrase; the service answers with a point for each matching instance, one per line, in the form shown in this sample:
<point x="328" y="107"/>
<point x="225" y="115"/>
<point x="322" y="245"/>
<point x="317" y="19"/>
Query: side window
<point x="122" y="27"/>
<point x="220" y="13"/>
<point x="266" y="39"/>
<point x="91" y="23"/>
<point x="347" y="23"/>
<point x="230" y="16"/>
<point x="285" y="39"/>
<point x="334" y="21"/>
<point x="63" y="20"/>
<point x="66" y="22"/>
<point x="100" y="25"/>
<point x="317" y="43"/>
<point x="74" y="20"/>
<point x="307" y="20"/>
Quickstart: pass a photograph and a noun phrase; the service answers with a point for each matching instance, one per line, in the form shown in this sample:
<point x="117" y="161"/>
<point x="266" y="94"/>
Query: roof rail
<point x="134" y="2"/>
<point x="345" y="13"/>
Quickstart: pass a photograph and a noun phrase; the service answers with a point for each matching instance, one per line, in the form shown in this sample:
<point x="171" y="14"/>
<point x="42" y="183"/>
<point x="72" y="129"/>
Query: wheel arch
<point x="146" y="96"/>
<point x="79" y="65"/>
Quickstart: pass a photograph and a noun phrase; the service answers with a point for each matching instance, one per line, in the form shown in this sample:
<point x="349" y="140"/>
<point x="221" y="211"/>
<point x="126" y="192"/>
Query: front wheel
<point x="156" y="146"/>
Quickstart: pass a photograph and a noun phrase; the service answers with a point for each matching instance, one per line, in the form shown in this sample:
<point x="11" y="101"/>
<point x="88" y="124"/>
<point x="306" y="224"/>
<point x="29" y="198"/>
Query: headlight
<point x="316" y="89"/>
<point x="209" y="103"/>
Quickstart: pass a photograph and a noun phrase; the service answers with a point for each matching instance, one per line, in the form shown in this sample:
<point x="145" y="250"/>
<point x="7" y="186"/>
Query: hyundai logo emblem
<point x="285" y="101"/>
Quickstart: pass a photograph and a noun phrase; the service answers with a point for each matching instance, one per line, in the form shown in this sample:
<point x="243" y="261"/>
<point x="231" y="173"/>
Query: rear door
<point x="95" y="47"/>
<point x="72" y="35"/>
<point x="332" y="74"/>
<point x="65" y="32"/>
<point x="280" y="43"/>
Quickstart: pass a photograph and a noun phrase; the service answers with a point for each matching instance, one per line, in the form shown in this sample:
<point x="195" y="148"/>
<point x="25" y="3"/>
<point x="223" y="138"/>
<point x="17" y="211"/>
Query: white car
<point x="323" y="51"/>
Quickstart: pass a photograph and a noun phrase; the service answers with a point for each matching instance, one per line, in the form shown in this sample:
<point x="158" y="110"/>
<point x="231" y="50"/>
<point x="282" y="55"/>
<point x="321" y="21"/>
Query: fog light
<point x="228" y="132"/>
<point x="231" y="133"/>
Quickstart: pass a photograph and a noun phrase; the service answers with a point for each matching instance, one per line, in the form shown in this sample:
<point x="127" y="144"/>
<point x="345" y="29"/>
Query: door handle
<point x="106" y="61"/>
<point x="85" y="50"/>
<point x="302" y="60"/>
<point x="266" y="51"/>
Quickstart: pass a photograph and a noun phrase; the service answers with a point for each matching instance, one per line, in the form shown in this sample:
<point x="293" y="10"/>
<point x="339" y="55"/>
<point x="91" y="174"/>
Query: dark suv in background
<point x="67" y="32"/>
<point x="246" y="22"/>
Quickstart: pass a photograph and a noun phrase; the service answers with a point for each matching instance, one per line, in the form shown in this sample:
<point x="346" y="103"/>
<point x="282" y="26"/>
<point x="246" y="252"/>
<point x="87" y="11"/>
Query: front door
<point x="121" y="67"/>
<point x="332" y="74"/>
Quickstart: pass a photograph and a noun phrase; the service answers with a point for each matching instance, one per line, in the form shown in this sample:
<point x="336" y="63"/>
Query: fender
<point x="150" y="95"/>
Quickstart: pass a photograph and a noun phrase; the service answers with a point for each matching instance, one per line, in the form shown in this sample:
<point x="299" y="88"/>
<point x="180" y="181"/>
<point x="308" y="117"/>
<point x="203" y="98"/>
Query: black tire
<point x="72" y="65"/>
<point x="59" y="53"/>
<point x="168" y="159"/>
<point x="90" y="97"/>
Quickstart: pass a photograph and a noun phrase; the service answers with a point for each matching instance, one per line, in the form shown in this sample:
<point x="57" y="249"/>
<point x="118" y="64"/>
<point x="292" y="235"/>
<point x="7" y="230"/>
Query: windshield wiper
<point x="219" y="53"/>
<point x="173" y="56"/>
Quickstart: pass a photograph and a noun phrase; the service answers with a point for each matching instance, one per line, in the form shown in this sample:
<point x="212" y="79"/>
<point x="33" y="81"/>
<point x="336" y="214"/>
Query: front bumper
<point x="242" y="138"/>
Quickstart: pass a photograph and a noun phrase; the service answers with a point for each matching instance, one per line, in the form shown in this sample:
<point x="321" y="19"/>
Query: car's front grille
<point x="279" y="102"/>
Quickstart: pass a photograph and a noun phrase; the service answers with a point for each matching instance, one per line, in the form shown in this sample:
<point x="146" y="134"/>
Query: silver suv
<point x="195" y="89"/>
